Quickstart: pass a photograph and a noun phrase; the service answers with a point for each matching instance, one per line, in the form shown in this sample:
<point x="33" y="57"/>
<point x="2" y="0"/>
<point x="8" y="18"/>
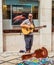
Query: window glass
<point x="23" y="11"/>
<point x="6" y="12"/>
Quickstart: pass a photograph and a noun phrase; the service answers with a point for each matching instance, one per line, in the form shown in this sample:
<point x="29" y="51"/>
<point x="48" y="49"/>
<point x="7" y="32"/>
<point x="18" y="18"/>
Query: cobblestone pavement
<point x="12" y="58"/>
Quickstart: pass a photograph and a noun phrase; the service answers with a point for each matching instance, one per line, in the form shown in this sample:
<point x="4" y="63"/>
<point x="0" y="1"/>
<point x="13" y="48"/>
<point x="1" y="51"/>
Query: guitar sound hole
<point x="27" y="29"/>
<point x="30" y="28"/>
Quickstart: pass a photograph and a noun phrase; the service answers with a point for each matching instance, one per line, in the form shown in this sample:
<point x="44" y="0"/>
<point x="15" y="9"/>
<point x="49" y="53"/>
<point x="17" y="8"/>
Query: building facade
<point x="42" y="16"/>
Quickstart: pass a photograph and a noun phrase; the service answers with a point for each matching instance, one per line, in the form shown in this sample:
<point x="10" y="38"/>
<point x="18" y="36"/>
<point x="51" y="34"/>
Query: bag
<point x="33" y="63"/>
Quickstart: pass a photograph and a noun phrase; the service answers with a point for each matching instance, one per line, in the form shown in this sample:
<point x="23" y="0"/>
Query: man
<point x="28" y="38"/>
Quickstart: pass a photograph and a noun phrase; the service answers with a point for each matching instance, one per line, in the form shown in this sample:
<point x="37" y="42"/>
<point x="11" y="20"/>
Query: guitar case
<point x="39" y="53"/>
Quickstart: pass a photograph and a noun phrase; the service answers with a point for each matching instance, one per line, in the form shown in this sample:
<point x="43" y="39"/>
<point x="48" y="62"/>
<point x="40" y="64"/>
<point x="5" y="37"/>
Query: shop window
<point x="12" y="10"/>
<point x="12" y="14"/>
<point x="20" y="13"/>
<point x="24" y="10"/>
<point x="35" y="12"/>
<point x="6" y="12"/>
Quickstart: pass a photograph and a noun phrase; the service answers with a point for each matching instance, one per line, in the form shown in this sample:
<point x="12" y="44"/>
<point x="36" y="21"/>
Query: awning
<point x="17" y="2"/>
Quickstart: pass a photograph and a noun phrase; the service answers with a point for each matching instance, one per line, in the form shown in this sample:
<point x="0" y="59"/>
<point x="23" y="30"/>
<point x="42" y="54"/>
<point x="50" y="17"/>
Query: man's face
<point x="30" y="16"/>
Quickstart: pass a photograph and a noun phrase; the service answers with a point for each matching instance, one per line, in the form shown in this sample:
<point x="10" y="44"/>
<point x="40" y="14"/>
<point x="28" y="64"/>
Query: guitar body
<point x="26" y="31"/>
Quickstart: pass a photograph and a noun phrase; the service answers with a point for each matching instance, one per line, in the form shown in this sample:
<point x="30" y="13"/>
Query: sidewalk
<point x="12" y="58"/>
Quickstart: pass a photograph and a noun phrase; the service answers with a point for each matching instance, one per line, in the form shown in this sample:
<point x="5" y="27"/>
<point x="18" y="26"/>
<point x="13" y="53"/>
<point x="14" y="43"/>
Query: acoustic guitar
<point x="39" y="53"/>
<point x="27" y="30"/>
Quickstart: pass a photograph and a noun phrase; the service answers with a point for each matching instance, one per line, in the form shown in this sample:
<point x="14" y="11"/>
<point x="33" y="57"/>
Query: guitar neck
<point x="41" y="26"/>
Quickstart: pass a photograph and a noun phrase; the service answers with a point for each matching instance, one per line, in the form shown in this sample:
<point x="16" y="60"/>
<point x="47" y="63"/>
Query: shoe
<point x="21" y="51"/>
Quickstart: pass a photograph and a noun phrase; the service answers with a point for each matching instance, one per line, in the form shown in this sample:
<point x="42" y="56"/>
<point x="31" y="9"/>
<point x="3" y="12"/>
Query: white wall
<point x="7" y="24"/>
<point x="45" y="10"/>
<point x="1" y="28"/>
<point x="15" y="42"/>
<point x="52" y="45"/>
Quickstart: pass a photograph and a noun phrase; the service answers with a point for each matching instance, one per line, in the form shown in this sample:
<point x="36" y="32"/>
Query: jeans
<point x="28" y="41"/>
